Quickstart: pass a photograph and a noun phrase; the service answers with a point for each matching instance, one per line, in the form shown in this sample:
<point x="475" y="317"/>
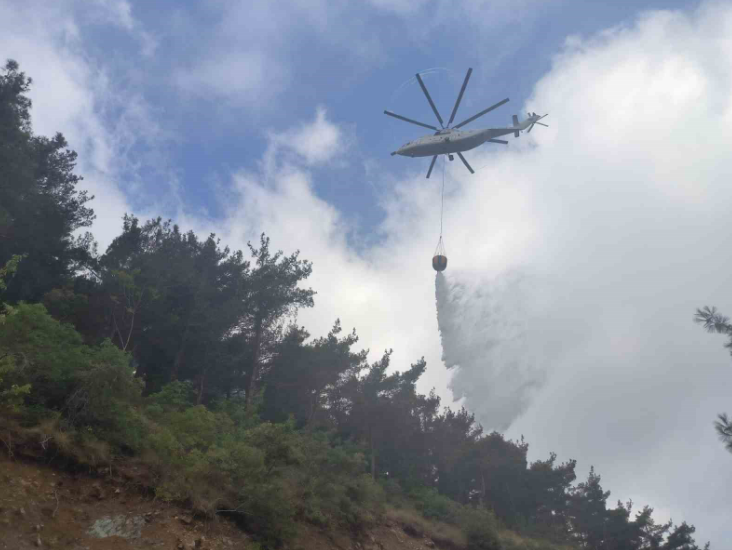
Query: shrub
<point x="434" y="505"/>
<point x="50" y="354"/>
<point x="11" y="396"/>
<point x="480" y="529"/>
<point x="103" y="395"/>
<point x="175" y="396"/>
<point x="445" y="535"/>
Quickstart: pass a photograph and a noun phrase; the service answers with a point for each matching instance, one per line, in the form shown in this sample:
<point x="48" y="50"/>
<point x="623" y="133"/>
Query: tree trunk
<point x="180" y="356"/>
<point x="373" y="455"/>
<point x="201" y="386"/>
<point x="482" y="478"/>
<point x="314" y="405"/>
<point x="179" y="360"/>
<point x="255" y="363"/>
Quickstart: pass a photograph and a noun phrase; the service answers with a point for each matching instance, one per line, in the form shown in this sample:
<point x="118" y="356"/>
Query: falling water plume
<point x="489" y="340"/>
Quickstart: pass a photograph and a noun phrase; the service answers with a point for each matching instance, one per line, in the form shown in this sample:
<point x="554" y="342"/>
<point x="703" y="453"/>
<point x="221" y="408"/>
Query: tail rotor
<point x="535" y="120"/>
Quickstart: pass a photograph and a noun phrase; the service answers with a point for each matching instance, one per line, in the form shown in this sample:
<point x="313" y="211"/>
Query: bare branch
<point x="55" y="494"/>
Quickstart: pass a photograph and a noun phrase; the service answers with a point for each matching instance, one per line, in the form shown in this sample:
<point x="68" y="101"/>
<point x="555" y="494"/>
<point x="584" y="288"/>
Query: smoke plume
<point x="489" y="338"/>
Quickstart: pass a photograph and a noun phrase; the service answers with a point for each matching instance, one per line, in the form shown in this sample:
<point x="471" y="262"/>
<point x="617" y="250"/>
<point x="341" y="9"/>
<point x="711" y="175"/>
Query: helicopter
<point x="448" y="140"/>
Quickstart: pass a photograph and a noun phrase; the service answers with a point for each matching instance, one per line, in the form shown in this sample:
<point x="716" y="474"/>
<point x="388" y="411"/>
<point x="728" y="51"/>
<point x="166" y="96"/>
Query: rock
<point x="80" y="515"/>
<point x="117" y="491"/>
<point x="412" y="530"/>
<point x="180" y="545"/>
<point x="98" y="492"/>
<point x="429" y="543"/>
<point x="21" y="511"/>
<point x="38" y="541"/>
<point x="117" y="526"/>
<point x="200" y="541"/>
<point x="187" y="520"/>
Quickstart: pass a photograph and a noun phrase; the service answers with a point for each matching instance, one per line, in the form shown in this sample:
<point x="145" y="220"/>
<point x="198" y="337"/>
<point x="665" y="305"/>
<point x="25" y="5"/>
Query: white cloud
<point x="317" y="142"/>
<point x="248" y="57"/>
<point x="248" y="76"/>
<point x="620" y="209"/>
<point x="401" y="7"/>
<point x="72" y="94"/>
<point x="252" y="53"/>
<point x="117" y="13"/>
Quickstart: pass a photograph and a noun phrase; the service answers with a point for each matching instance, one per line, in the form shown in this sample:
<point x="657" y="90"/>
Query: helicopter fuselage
<point x="449" y="141"/>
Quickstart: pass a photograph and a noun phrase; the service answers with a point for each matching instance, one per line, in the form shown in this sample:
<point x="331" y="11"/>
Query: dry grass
<point x="444" y="535"/>
<point x="514" y="541"/>
<point x="48" y="440"/>
<point x="451" y="536"/>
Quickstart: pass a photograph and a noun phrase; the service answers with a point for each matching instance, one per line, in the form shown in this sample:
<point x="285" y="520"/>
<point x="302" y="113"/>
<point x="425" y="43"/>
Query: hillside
<point x="42" y="507"/>
<point x="173" y="368"/>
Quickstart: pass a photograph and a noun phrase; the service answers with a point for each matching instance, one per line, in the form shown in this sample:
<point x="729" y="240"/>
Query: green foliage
<point x="8" y="270"/>
<point x="104" y="398"/>
<point x="713" y="321"/>
<point x="724" y="428"/>
<point x="40" y="207"/>
<point x="174" y="350"/>
<point x="480" y="529"/>
<point x="176" y="396"/>
<point x="433" y="505"/>
<point x="11" y="398"/>
<point x="48" y="355"/>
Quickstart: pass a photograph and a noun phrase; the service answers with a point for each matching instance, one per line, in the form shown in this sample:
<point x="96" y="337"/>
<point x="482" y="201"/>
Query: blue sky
<point x="577" y="254"/>
<point x="352" y="66"/>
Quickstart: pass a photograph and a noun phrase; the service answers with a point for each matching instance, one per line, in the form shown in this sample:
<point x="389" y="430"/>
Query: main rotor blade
<point x="480" y="114"/>
<point x="465" y="162"/>
<point x="542" y="124"/>
<point x="426" y="93"/>
<point x="530" y="127"/>
<point x="405" y="119"/>
<point x="432" y="164"/>
<point x="460" y="96"/>
<point x="498" y="141"/>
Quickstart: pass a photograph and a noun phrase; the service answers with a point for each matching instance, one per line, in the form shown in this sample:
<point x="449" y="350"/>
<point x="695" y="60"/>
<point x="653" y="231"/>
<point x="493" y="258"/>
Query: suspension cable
<point x="442" y="196"/>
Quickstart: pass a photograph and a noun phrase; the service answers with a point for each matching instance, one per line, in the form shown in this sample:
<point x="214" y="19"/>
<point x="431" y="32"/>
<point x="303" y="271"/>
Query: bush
<point x="49" y="355"/>
<point x="86" y="401"/>
<point x="103" y="395"/>
<point x="480" y="529"/>
<point x="445" y="535"/>
<point x="11" y="396"/>
<point x="433" y="505"/>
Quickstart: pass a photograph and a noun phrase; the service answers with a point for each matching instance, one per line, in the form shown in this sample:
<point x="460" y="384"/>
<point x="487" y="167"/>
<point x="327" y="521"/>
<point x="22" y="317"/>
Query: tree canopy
<point x="180" y="351"/>
<point x="713" y="321"/>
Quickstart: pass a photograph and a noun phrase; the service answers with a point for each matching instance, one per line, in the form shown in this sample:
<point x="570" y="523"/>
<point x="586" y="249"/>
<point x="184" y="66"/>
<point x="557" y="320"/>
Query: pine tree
<point x="40" y="207"/>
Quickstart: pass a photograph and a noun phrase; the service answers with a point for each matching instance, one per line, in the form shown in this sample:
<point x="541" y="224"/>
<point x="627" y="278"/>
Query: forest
<point x="171" y="351"/>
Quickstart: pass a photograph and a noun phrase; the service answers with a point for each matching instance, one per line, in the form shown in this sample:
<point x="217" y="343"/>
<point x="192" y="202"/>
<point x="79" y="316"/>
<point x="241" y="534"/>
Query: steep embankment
<point x="41" y="507"/>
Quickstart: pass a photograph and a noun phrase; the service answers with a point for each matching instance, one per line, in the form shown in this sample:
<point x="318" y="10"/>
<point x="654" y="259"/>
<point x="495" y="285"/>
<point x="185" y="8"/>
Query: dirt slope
<point x="44" y="508"/>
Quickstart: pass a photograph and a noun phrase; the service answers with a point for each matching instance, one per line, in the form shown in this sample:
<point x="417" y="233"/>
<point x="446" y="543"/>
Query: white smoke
<point x="490" y="337"/>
